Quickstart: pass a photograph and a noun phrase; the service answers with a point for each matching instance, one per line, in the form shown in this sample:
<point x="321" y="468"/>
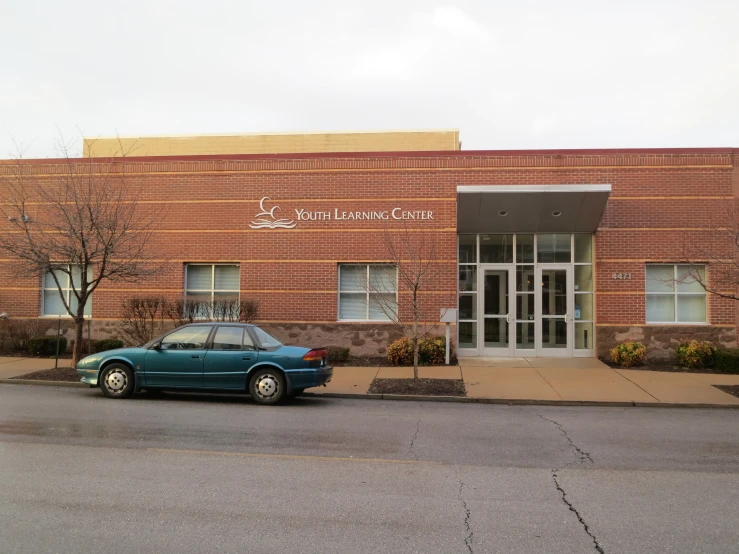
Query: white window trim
<point x="69" y="292"/>
<point x="366" y="292"/>
<point x="675" y="293"/>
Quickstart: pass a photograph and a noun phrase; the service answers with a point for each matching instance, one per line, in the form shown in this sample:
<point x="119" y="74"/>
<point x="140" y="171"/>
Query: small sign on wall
<point x="448" y="315"/>
<point x="621" y="276"/>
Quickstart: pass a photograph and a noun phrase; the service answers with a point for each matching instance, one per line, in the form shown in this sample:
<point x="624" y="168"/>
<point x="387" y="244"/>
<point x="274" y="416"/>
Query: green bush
<point x="431" y="351"/>
<point x="726" y="360"/>
<point x="694" y="354"/>
<point x="106" y="344"/>
<point x="337" y="353"/>
<point x="46" y="345"/>
<point x="629" y="353"/>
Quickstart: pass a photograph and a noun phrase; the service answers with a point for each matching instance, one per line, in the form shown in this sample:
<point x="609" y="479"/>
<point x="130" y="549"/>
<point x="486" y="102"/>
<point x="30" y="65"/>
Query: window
<point x="265" y="339"/>
<point x="367" y="292"/>
<point x="232" y="338"/>
<point x="212" y="281"/>
<point x="188" y="338"/>
<point x="674" y="295"/>
<point x="52" y="299"/>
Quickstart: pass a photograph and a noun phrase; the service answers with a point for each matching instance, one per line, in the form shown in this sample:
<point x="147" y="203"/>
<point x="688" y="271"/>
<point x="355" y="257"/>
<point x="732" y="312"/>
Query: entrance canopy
<point x="530" y="208"/>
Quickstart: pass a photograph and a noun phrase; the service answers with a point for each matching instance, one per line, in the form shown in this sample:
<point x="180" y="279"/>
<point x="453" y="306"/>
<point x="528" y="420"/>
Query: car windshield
<point x="266" y="340"/>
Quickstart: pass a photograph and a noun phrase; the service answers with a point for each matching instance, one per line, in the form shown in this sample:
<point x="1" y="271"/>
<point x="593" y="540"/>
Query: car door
<point x="178" y="359"/>
<point x="231" y="354"/>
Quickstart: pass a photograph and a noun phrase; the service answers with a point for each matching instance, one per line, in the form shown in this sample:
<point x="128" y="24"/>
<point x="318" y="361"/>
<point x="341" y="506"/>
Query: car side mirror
<point x="157" y="346"/>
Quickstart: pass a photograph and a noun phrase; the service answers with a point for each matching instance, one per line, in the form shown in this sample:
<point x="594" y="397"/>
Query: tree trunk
<point x="79" y="329"/>
<point x="415" y="335"/>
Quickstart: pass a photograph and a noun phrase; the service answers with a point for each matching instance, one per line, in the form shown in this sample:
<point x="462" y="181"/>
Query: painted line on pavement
<point x="291" y="456"/>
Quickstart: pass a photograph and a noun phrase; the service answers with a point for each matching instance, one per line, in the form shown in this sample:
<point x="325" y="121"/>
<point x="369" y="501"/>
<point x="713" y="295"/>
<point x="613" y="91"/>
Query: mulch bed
<point x="731" y="389"/>
<point x="662" y="365"/>
<point x="59" y="374"/>
<point x="424" y="387"/>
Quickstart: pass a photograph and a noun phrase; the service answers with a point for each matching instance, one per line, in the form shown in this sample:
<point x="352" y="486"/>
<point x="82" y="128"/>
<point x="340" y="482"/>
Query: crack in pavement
<point x="413" y="440"/>
<point x="580" y="452"/>
<point x="582" y="457"/>
<point x="467" y="517"/>
<point x="572" y="508"/>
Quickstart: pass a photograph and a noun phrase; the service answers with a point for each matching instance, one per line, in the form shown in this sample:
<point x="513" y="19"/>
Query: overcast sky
<point x="508" y="74"/>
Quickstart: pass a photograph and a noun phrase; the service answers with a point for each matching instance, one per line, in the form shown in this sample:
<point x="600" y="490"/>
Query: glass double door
<point x="526" y="310"/>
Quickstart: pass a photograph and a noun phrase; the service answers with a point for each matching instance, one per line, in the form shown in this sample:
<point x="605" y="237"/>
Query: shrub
<point x="142" y="318"/>
<point x="431" y="351"/>
<point x="106" y="344"/>
<point x="15" y="333"/>
<point x="694" y="354"/>
<point x="726" y="360"/>
<point x="629" y="353"/>
<point x="337" y="353"/>
<point x="46" y="345"/>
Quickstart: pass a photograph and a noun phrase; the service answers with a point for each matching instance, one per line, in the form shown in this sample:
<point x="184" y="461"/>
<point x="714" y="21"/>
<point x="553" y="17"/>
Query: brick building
<point x="543" y="253"/>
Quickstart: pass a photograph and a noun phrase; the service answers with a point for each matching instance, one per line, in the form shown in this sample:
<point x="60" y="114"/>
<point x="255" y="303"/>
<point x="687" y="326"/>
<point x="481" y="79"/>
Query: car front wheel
<point x="267" y="386"/>
<point x="117" y="381"/>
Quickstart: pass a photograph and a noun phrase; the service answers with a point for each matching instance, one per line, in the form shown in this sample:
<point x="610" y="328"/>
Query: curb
<point x="42" y="383"/>
<point x="451" y="399"/>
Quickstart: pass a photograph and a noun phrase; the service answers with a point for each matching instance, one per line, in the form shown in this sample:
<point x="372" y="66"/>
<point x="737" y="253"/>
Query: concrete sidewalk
<point x="11" y="366"/>
<point x="552" y="380"/>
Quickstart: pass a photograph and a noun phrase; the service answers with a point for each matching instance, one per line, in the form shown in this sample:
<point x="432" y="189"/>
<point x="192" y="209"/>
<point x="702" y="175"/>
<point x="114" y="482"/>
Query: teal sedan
<point x="209" y="357"/>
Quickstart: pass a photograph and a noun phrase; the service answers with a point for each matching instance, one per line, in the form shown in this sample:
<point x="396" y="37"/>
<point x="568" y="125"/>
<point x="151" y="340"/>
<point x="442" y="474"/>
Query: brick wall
<point x="660" y="201"/>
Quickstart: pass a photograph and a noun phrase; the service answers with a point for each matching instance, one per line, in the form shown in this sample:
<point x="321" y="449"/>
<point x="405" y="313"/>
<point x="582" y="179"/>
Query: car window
<point x="266" y="340"/>
<point x="187" y="338"/>
<point x="228" y="338"/>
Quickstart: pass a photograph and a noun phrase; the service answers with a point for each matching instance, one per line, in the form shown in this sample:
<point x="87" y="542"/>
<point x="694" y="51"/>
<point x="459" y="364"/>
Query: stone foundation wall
<point x="662" y="341"/>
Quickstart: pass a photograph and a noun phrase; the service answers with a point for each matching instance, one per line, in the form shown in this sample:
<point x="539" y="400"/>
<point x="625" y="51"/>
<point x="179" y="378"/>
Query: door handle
<point x="566" y="317"/>
<point x="508" y="318"/>
<point x="246" y="358"/>
<point x="195" y="356"/>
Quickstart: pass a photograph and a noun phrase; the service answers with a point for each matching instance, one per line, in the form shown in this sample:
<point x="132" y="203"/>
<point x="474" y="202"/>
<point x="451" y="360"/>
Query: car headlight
<point x="90" y="360"/>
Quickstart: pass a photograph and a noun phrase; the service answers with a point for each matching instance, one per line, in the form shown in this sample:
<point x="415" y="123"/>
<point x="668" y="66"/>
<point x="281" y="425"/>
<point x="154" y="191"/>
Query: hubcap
<point x="116" y="380"/>
<point x="267" y="386"/>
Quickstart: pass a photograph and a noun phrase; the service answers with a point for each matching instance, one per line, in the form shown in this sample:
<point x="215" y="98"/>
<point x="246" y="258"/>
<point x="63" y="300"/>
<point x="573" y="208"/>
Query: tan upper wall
<point x="275" y="143"/>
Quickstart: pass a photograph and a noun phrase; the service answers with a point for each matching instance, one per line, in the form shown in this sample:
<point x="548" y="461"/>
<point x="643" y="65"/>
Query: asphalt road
<point x="191" y="473"/>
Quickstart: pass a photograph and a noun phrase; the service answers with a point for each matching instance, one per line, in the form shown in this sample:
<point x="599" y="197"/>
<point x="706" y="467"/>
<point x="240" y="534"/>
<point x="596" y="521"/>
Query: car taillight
<point x="319" y="354"/>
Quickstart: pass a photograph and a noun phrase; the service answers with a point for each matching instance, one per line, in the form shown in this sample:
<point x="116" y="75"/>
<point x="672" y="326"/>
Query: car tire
<point x="267" y="386"/>
<point x="117" y="381"/>
<point x="294" y="393"/>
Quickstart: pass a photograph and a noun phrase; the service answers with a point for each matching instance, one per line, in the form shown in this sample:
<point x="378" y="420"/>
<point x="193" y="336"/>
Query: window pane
<point x="553" y="248"/>
<point x="382" y="307"/>
<point x="583" y="248"/>
<point x="200" y="303"/>
<point x="53" y="304"/>
<point x="382" y="278"/>
<point x="188" y="338"/>
<point x="353" y="278"/>
<point x="228" y="338"/>
<point x="248" y="342"/>
<point x="584" y="336"/>
<point x="584" y="307"/>
<point x="73" y="304"/>
<point x="225" y="306"/>
<point x="525" y="249"/>
<point x="584" y="278"/>
<point x="199" y="277"/>
<point x="691" y="309"/>
<point x="686" y="278"/>
<point x="227" y="277"/>
<point x="525" y="336"/>
<point x="496" y="249"/>
<point x="352" y="306"/>
<point x="660" y="307"/>
<point x="267" y="340"/>
<point x="467" y="278"/>
<point x="525" y="278"/>
<point x="467" y="249"/>
<point x="467" y="335"/>
<point x="660" y="278"/>
<point x="553" y="333"/>
<point x="49" y="282"/>
<point x="525" y="306"/>
<point x="467" y="306"/>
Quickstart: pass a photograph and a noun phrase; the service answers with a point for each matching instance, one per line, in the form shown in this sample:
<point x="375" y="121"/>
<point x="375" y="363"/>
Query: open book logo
<point x="266" y="218"/>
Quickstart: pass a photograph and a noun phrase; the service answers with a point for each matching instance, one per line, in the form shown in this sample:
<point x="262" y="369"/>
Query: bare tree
<point x="79" y="228"/>
<point x="412" y="255"/>
<point x="717" y="248"/>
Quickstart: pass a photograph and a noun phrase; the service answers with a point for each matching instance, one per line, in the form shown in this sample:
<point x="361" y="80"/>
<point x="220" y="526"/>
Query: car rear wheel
<point x="267" y="386"/>
<point x="117" y="381"/>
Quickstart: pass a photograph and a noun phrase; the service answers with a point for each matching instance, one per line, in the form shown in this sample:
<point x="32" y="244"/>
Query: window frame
<point x="675" y="294"/>
<point x="366" y="292"/>
<point x="68" y="290"/>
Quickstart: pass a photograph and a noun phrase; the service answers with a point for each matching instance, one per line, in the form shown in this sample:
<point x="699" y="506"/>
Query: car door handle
<point x="195" y="356"/>
<point x="246" y="358"/>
